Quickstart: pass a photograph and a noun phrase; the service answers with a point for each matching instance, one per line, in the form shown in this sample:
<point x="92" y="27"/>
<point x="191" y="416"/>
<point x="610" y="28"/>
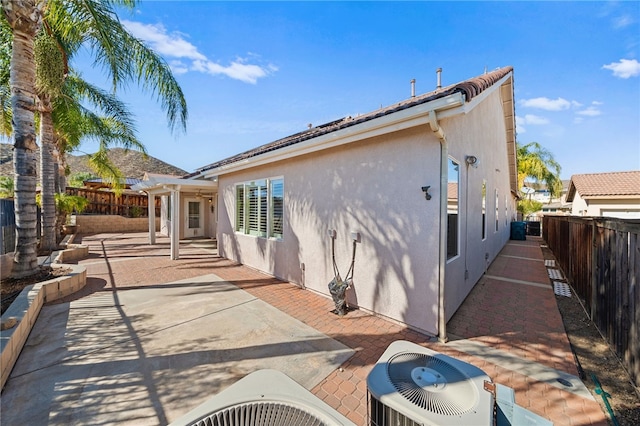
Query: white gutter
<point x="410" y="117"/>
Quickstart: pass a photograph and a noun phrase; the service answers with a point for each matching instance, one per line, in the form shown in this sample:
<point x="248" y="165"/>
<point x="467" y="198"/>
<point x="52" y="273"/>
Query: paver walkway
<point x="509" y="326"/>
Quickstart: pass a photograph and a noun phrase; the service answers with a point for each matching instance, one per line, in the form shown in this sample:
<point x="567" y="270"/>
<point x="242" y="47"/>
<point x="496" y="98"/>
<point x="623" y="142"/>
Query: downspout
<point x="444" y="178"/>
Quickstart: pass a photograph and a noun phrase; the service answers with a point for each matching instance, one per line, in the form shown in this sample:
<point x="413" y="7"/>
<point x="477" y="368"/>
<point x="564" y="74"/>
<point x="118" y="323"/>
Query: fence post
<point x="594" y="269"/>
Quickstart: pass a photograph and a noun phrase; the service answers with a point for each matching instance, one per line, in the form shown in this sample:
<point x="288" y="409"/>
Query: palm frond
<point x="104" y="168"/>
<point x="124" y="57"/>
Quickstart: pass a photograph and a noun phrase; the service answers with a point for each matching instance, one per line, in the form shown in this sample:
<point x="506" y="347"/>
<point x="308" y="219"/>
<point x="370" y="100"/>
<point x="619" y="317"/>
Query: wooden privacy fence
<point x="8" y="225"/>
<point x="107" y="202"/>
<point x="600" y="257"/>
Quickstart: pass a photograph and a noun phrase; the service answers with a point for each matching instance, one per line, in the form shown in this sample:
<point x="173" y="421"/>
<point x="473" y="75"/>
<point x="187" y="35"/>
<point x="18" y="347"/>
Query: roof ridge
<point x="470" y="88"/>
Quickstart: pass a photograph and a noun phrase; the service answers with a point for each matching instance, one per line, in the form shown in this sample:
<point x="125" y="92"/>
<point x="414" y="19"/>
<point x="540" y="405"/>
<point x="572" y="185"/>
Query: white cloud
<point x="547" y="104"/>
<point x="172" y="45"/>
<point x="178" y="67"/>
<point x="535" y="119"/>
<point x="175" y="46"/>
<point x="527" y="119"/>
<point x="622" y="21"/>
<point x="624" y="68"/>
<point x="590" y="111"/>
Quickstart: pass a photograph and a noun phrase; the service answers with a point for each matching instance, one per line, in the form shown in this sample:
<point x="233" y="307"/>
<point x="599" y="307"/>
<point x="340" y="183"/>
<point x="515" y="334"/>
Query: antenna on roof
<point x="438" y="78"/>
<point x="485" y="69"/>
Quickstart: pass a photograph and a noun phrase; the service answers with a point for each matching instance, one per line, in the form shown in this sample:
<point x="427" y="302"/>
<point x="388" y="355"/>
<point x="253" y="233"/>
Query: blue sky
<point x="256" y="72"/>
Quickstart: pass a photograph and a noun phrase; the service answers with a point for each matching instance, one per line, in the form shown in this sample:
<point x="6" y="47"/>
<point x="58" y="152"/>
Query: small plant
<point x="67" y="204"/>
<point x="6" y="187"/>
<point x="135" y="211"/>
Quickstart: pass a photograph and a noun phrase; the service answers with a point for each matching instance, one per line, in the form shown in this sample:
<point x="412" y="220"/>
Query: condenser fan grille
<point x="432" y="384"/>
<point x="263" y="413"/>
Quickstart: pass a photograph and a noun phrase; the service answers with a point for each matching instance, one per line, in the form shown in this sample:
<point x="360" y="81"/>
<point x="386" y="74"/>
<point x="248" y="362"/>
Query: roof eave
<point x="400" y="120"/>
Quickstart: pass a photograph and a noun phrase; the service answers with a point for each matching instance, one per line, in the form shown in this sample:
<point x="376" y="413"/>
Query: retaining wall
<point x="18" y="320"/>
<point x="98" y="224"/>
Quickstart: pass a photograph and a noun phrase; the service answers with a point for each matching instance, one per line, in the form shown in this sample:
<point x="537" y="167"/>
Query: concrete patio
<point x="148" y="338"/>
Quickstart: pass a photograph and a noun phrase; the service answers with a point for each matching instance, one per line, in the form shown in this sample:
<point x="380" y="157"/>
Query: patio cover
<point x="159" y="185"/>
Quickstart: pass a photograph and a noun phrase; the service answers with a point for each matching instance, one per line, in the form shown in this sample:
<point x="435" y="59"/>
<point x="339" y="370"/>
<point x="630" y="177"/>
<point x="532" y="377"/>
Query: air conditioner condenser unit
<point x="264" y="398"/>
<point x="412" y="385"/>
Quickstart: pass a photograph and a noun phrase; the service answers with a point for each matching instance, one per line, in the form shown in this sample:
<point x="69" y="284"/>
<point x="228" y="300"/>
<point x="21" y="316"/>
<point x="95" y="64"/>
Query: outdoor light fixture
<point x="472" y="160"/>
<point x="425" y="189"/>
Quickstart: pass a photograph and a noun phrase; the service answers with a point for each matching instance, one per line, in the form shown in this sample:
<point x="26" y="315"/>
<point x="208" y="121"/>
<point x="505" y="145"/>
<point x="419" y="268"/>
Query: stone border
<point x="21" y="316"/>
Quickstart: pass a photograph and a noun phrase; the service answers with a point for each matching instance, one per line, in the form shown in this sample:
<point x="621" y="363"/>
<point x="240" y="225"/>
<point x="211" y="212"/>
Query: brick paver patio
<point x="510" y="319"/>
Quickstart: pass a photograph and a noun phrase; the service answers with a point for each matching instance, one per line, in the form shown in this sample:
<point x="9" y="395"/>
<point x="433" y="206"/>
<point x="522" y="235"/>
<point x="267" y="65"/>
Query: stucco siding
<point x="479" y="133"/>
<point x="372" y="187"/>
<point x="626" y="208"/>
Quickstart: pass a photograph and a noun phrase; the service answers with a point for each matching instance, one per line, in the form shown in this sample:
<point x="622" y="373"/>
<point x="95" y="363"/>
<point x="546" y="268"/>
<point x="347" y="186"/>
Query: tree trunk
<point x="24" y="18"/>
<point x="47" y="177"/>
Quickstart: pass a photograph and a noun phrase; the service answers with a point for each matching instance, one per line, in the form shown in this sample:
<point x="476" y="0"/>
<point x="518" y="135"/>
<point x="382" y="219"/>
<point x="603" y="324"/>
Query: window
<point x="260" y="208"/>
<point x="453" y="196"/>
<point x="506" y="212"/>
<point x="484" y="209"/>
<point x="240" y="207"/>
<point x="277" y="208"/>
<point x="256" y="208"/>
<point x="497" y="210"/>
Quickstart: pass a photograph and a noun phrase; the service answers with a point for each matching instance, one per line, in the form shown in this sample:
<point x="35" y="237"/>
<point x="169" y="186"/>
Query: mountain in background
<point x="132" y="163"/>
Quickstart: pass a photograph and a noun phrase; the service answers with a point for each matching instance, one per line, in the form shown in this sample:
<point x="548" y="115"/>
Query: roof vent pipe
<point x="439" y="78"/>
<point x="413" y="87"/>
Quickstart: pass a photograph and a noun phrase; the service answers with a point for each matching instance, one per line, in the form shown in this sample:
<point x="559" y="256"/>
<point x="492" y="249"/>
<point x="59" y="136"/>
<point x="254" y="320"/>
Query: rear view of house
<point x="426" y="187"/>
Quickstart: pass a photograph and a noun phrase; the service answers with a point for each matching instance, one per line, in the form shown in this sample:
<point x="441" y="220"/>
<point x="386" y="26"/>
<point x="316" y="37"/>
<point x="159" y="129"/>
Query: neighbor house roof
<point x="605" y="185"/>
<point x="469" y="88"/>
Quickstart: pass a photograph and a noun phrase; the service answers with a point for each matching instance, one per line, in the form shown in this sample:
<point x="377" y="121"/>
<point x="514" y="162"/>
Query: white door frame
<point x="189" y="232"/>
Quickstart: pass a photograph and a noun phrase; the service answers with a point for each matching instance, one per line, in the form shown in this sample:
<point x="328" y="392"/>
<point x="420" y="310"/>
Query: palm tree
<point x="75" y="23"/>
<point x="111" y="125"/>
<point x="536" y="162"/>
<point x="50" y="71"/>
<point x="24" y="17"/>
<point x="5" y="67"/>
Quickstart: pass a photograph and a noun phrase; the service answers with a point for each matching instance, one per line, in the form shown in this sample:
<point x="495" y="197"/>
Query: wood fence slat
<point x="108" y="203"/>
<point x="601" y="259"/>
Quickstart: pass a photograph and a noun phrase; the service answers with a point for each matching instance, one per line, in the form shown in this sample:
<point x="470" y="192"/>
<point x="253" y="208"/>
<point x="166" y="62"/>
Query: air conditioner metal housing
<point x="412" y="385"/>
<point x="264" y="398"/>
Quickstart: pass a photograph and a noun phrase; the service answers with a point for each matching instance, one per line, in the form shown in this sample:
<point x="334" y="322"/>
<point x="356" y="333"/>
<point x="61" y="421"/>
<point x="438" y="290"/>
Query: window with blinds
<point x="260" y="208"/>
<point x="277" y="207"/>
<point x="240" y="211"/>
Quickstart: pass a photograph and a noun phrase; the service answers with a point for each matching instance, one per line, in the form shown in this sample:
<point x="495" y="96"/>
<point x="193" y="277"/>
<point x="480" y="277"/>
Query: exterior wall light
<point x="425" y="189"/>
<point x="472" y="160"/>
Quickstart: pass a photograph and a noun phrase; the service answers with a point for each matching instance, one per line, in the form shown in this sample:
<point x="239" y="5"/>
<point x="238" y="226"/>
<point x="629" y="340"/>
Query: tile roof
<point x="621" y="184"/>
<point x="469" y="88"/>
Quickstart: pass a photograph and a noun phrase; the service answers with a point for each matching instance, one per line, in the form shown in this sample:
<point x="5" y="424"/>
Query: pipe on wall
<point x="444" y="178"/>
